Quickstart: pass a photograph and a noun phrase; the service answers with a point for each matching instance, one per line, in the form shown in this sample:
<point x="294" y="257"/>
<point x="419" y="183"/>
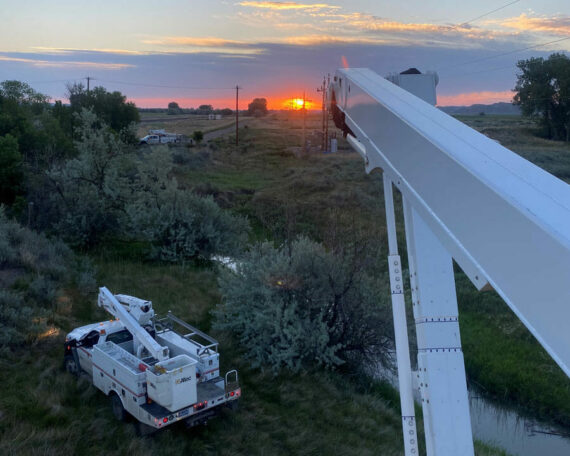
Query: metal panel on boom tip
<point x="503" y="219"/>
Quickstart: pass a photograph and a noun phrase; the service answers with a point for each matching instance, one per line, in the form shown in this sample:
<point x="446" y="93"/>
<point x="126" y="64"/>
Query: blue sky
<point x="195" y="51"/>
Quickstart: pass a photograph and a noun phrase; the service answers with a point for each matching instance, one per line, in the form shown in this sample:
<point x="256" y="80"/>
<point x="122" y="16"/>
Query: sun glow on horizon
<point x="297" y="103"/>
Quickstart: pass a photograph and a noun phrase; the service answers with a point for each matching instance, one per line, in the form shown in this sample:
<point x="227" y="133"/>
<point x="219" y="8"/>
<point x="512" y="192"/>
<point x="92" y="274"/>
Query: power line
<point x="509" y="67"/>
<point x="166" y="86"/>
<point x="483" y="15"/>
<point x="515" y="51"/>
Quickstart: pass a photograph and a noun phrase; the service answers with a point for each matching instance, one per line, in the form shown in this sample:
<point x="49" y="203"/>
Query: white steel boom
<point x="505" y="221"/>
<point x="110" y="303"/>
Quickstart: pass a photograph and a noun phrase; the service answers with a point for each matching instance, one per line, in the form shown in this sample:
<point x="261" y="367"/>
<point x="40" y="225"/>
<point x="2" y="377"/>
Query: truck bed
<point x="207" y="391"/>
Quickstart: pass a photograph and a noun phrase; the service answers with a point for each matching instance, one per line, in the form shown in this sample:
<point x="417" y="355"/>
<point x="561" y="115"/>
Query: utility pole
<point x="304" y="122"/>
<point x="237" y="116"/>
<point x="88" y="80"/>
<point x="323" y="89"/>
<point x="327" y="118"/>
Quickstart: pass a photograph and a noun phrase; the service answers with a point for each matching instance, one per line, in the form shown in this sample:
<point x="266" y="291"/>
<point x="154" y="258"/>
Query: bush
<point x="34" y="271"/>
<point x="182" y="226"/>
<point x="89" y="191"/>
<point x="301" y="305"/>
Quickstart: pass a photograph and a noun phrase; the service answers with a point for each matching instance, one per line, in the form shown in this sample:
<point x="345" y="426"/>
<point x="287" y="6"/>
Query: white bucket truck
<point x="160" y="371"/>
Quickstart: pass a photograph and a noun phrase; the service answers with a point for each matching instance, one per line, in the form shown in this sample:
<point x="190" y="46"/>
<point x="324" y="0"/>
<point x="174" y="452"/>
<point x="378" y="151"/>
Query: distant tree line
<point x="543" y="93"/>
<point x="202" y="110"/>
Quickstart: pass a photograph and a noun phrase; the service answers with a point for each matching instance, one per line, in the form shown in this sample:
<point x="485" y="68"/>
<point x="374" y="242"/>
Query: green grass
<point x="44" y="410"/>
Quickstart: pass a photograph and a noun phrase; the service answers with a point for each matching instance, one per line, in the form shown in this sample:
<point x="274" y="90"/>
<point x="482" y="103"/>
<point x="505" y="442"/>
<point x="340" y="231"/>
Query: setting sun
<point x="297" y="103"/>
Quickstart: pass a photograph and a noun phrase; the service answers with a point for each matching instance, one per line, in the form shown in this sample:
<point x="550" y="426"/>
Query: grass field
<point x="326" y="195"/>
<point x="184" y="124"/>
<point x="330" y="198"/>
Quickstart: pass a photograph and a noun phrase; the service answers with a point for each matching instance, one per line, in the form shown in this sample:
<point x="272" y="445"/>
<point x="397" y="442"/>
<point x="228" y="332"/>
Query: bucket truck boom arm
<point x="140" y="309"/>
<point x="505" y="221"/>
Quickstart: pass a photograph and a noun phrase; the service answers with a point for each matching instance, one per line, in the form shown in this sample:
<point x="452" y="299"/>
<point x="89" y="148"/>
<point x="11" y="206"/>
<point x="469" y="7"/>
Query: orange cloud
<point x="67" y="64"/>
<point x="559" y="25"/>
<point x="288" y="5"/>
<point x="195" y="41"/>
<point x="313" y="40"/>
<point x="470" y="98"/>
<point x="56" y="50"/>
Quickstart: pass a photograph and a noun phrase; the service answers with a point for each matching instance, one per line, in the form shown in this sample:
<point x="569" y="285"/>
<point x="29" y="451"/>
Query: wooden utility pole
<point x="88" y="80"/>
<point x="327" y="118"/>
<point x="237" y="117"/>
<point x="323" y="89"/>
<point x="304" y="122"/>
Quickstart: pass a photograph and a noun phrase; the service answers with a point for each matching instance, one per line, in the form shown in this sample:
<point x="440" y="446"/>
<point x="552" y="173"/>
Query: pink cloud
<point x="557" y="25"/>
<point x="470" y="98"/>
<point x="288" y="5"/>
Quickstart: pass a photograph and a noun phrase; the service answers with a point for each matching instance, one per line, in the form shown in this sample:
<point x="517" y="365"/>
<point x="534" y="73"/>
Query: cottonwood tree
<point x="111" y="108"/>
<point x="257" y="108"/>
<point x="543" y="93"/>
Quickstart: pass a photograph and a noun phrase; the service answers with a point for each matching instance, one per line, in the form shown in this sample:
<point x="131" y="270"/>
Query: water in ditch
<point x="504" y="427"/>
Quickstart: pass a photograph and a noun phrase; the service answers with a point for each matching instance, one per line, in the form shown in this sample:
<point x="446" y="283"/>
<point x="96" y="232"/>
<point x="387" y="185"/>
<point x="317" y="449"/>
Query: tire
<point x="71" y="366"/>
<point x="118" y="409"/>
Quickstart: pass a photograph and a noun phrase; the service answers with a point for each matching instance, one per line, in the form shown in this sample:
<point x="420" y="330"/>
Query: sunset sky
<point x="194" y="52"/>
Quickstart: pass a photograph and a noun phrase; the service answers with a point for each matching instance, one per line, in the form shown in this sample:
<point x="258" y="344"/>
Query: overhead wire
<point x="502" y="54"/>
<point x="483" y="15"/>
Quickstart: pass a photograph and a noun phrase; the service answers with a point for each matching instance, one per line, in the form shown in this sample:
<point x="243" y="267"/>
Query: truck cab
<point x="79" y="343"/>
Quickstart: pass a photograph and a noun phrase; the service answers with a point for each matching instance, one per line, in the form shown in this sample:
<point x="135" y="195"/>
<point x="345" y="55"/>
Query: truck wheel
<point x="71" y="365"/>
<point x="118" y="409"/>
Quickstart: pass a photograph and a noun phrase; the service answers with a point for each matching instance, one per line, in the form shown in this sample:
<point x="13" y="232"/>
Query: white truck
<point x="160" y="137"/>
<point x="159" y="371"/>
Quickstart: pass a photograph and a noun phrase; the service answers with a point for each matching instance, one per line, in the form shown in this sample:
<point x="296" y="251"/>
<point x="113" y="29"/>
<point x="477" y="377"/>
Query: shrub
<point x="34" y="271"/>
<point x="301" y="305"/>
<point x="89" y="191"/>
<point x="182" y="226"/>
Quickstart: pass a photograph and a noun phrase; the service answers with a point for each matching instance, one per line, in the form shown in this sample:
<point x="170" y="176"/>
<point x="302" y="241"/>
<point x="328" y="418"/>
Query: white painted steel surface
<point x="442" y="385"/>
<point x="504" y="220"/>
<point x="108" y="301"/>
<point x="400" y="328"/>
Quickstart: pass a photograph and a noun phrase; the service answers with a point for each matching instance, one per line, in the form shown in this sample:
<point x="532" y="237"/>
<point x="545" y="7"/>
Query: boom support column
<point x="441" y="368"/>
<point x="400" y="327"/>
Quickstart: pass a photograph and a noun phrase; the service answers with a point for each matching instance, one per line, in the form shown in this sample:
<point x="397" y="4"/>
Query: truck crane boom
<point x="136" y="307"/>
<point x="505" y="221"/>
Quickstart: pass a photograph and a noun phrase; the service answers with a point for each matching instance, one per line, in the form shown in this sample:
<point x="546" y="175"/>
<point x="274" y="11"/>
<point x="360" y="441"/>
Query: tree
<point x="10" y="170"/>
<point x="89" y="191"/>
<point x="226" y="112"/>
<point x="257" y="108"/>
<point x="543" y="92"/>
<point x="22" y="93"/>
<point x="173" y="108"/>
<point x="111" y="108"/>
<point x="204" y="110"/>
<point x="301" y="305"/>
